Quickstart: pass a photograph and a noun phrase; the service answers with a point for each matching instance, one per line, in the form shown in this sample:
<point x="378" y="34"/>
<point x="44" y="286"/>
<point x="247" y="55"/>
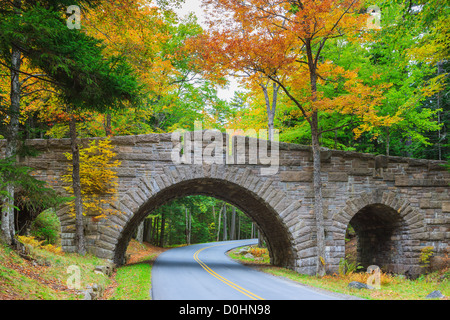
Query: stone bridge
<point x="397" y="206"/>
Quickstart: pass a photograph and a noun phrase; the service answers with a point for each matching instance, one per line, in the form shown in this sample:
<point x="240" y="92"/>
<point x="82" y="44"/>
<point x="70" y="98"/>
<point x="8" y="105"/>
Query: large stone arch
<point x="274" y="212"/>
<point x="403" y="229"/>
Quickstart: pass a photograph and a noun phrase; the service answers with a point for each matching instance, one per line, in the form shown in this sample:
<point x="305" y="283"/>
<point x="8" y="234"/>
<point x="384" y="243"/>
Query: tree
<point x="284" y="41"/>
<point x="98" y="179"/>
<point x="18" y="40"/>
<point x="75" y="67"/>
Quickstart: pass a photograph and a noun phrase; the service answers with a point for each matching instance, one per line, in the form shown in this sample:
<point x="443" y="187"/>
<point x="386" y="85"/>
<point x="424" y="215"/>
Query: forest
<point x="364" y="76"/>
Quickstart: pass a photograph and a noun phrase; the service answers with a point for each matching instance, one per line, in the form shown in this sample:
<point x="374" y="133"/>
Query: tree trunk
<point x="239" y="227"/>
<point x="148" y="230"/>
<point x="439" y="71"/>
<point x="270" y="106"/>
<point x="388" y="138"/>
<point x="163" y="224"/>
<point x="260" y="239"/>
<point x="12" y="137"/>
<point x="140" y="232"/>
<point x="218" y="224"/>
<point x="317" y="180"/>
<point x="155" y="230"/>
<point x="318" y="200"/>
<point x="233" y="224"/>
<point x="225" y="238"/>
<point x="188" y="227"/>
<point x="108" y="130"/>
<point x="76" y="184"/>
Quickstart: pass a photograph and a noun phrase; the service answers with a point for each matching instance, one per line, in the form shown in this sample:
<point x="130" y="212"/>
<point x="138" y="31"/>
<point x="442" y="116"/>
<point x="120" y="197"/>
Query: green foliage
<point x="35" y="193"/>
<point x="46" y="227"/>
<point x="346" y="267"/>
<point x="204" y="224"/>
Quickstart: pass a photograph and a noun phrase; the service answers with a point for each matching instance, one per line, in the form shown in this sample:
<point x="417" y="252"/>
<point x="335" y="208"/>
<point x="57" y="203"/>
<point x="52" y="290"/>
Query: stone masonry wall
<point x="415" y="191"/>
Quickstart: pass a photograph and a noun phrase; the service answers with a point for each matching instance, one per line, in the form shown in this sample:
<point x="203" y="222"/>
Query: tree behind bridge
<point x="284" y="41"/>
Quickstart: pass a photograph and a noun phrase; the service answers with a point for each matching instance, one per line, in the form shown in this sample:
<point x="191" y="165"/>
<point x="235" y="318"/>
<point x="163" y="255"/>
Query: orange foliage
<point x="283" y="42"/>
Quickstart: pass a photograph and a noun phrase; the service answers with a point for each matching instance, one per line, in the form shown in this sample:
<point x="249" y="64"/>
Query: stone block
<point x="405" y="181"/>
<point x="123" y="140"/>
<point x="361" y="172"/>
<point x="296" y="176"/>
<point x="446" y="206"/>
<point x="429" y="204"/>
<point x="338" y="177"/>
<point x="148" y="138"/>
<point x="381" y="161"/>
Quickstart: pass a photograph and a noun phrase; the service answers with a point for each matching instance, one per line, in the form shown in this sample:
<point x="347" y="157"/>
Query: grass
<point x="392" y="287"/>
<point x="134" y="279"/>
<point x="134" y="282"/>
<point x="43" y="274"/>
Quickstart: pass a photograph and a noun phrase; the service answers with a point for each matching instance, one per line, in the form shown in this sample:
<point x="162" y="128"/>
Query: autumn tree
<point x="285" y="41"/>
<point x="150" y="36"/>
<point x="21" y="37"/>
<point x="73" y="64"/>
<point x="98" y="179"/>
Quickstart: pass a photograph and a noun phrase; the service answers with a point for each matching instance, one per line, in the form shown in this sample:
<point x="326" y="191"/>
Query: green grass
<point x="134" y="282"/>
<point x="392" y="287"/>
<point x="46" y="277"/>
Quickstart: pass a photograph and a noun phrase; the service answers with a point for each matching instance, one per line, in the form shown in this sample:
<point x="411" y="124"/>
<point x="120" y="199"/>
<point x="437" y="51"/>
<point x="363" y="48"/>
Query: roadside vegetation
<point x="393" y="287"/>
<point x="41" y="274"/>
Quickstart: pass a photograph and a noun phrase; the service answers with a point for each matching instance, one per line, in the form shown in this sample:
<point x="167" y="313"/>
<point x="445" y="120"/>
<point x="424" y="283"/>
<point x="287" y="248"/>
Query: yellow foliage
<point x="98" y="178"/>
<point x="258" y="252"/>
<point x="33" y="242"/>
<point x="425" y="255"/>
<point x="385" y="278"/>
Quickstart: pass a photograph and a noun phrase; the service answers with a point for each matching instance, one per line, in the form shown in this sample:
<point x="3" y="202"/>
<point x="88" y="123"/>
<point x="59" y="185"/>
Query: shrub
<point x="258" y="252"/>
<point x="425" y="255"/>
<point x="33" y="242"/>
<point x="346" y="267"/>
<point x="385" y="278"/>
<point x="98" y="179"/>
<point x="46" y="227"/>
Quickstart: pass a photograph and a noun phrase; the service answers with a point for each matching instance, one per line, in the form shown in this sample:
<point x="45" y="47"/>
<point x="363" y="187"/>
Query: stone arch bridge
<point x="396" y="205"/>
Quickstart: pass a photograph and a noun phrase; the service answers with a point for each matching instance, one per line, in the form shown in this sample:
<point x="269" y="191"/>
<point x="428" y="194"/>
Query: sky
<point x="194" y="6"/>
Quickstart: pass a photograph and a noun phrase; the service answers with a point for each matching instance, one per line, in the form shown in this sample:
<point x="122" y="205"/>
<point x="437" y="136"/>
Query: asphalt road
<point x="204" y="272"/>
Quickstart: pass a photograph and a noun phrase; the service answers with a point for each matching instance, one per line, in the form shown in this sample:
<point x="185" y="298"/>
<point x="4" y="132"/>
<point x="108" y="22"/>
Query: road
<point x="204" y="272"/>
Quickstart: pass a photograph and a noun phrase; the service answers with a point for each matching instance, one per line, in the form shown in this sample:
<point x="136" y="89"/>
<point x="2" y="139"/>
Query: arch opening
<point x="273" y="230"/>
<point x="195" y="219"/>
<point x="381" y="236"/>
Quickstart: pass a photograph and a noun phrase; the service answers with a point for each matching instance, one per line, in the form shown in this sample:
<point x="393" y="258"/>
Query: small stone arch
<point x="268" y="206"/>
<point x="389" y="229"/>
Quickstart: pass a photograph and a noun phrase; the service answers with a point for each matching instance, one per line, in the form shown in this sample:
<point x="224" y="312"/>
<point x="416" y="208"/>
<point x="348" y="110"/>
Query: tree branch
<point x="298" y="104"/>
<point x="336" y="128"/>
<point x="29" y="74"/>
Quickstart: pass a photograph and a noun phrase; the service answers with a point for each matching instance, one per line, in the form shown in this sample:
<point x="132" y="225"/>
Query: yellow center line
<point x="223" y="279"/>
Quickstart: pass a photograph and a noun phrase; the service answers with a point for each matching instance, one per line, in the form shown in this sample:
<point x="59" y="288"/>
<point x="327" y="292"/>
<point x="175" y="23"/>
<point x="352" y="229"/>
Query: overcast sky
<point x="194" y="6"/>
